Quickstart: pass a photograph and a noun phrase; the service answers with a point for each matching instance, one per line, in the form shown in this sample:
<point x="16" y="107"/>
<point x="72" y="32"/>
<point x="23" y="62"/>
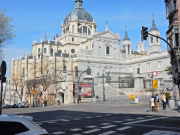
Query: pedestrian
<point x="45" y="103"/>
<point x="38" y="103"/>
<point x="156" y="100"/>
<point x="164" y="90"/>
<point x="164" y="101"/>
<point x="42" y="102"/>
<point x="79" y="98"/>
<point x="152" y="103"/>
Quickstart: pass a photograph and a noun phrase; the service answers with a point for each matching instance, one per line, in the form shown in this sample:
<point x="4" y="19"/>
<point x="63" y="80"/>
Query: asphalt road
<point x="116" y="118"/>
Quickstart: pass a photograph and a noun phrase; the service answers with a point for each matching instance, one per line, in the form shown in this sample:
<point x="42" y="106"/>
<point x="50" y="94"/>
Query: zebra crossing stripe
<point x="91" y="131"/>
<point x="124" y="128"/>
<point x="108" y="133"/>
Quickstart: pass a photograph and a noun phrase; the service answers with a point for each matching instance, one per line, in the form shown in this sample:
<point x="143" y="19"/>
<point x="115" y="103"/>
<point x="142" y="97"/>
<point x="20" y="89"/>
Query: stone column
<point x="138" y="82"/>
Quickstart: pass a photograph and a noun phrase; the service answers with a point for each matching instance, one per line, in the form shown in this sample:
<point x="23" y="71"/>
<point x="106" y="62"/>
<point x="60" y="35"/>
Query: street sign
<point x="66" y="87"/>
<point x="33" y="95"/>
<point x="33" y="92"/>
<point x="55" y="96"/>
<point x="92" y="85"/>
<point x="151" y="83"/>
<point x="155" y="83"/>
<point x="154" y="73"/>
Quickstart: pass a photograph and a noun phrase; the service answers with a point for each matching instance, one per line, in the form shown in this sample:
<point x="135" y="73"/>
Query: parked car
<point x="25" y="104"/>
<point x="21" y="125"/>
<point x="17" y="105"/>
<point x="13" y="106"/>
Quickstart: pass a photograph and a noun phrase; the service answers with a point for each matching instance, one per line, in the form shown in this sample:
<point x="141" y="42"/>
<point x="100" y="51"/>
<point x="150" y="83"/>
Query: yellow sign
<point x="155" y="83"/>
<point x="33" y="92"/>
<point x="131" y="97"/>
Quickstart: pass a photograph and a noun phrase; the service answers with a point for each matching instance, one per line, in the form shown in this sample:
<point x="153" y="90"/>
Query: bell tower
<point x="154" y="42"/>
<point x="126" y="43"/>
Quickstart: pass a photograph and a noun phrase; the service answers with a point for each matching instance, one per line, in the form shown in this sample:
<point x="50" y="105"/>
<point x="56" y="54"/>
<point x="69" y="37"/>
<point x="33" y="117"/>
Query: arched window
<point x="44" y="50"/>
<point x="151" y="39"/>
<point x="84" y="30"/>
<point x="81" y="30"/>
<point x="59" y="51"/>
<point x="38" y="50"/>
<point x="51" y="51"/>
<point x="72" y="28"/>
<point x="157" y="40"/>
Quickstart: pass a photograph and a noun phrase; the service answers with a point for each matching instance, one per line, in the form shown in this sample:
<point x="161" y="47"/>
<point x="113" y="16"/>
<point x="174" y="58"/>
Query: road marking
<point x="56" y="133"/>
<point x="105" y="124"/>
<point x="124" y="128"/>
<point x="91" y="131"/>
<point x="16" y="112"/>
<point x="109" y="126"/>
<point x="159" y="132"/>
<point x="129" y="119"/>
<point x="88" y="117"/>
<point x="91" y="126"/>
<point x="75" y="129"/>
<point x="108" y="133"/>
<point x="51" y="122"/>
<point x="63" y="120"/>
<point x="77" y="118"/>
<point x="155" y="126"/>
<point x="98" y="116"/>
<point x="143" y="120"/>
<point x="139" y="118"/>
<point x="117" y="121"/>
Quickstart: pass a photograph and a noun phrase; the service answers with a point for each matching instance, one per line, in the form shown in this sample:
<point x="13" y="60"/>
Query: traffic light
<point x="88" y="71"/>
<point x="3" y="71"/>
<point x="144" y="33"/>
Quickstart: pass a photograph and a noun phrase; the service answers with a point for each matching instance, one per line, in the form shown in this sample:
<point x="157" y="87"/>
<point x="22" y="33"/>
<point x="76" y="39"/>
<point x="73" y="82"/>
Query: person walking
<point x="152" y="103"/>
<point x="156" y="100"/>
<point x="164" y="101"/>
<point x="42" y="102"/>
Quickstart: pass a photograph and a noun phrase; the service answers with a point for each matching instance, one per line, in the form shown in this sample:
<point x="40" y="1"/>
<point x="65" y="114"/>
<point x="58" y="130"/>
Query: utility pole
<point x="103" y="87"/>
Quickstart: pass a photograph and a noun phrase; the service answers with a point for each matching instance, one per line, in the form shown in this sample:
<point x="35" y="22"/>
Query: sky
<point x="34" y="18"/>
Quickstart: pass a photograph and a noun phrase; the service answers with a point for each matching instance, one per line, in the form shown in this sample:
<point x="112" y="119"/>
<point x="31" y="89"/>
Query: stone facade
<point x="80" y="46"/>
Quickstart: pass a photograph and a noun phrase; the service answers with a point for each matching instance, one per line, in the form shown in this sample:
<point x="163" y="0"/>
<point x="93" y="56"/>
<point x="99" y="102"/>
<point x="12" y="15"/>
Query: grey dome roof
<point x="79" y="13"/>
<point x="126" y="36"/>
<point x="153" y="26"/>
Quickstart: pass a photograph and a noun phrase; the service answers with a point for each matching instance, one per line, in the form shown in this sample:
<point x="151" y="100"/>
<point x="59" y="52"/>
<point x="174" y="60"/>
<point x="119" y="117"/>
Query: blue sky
<point x="32" y="18"/>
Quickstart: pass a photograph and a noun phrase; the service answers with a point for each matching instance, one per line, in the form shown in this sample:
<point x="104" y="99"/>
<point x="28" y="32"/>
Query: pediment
<point x="108" y="34"/>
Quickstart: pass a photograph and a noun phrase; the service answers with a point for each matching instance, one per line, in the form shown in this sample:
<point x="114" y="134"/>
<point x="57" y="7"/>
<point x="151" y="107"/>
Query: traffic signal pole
<point x="144" y="35"/>
<point x="1" y="95"/>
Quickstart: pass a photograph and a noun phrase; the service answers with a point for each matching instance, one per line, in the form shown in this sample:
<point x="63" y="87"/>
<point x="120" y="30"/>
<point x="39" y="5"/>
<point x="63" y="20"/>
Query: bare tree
<point x="30" y="84"/>
<point x="18" y="82"/>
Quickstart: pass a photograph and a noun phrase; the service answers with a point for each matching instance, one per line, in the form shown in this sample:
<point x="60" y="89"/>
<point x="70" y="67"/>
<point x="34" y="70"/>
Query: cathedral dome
<point x="79" y="13"/>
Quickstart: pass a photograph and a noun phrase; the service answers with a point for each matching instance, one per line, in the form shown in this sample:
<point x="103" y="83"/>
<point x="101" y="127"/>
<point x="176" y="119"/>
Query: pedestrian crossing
<point x="104" y="125"/>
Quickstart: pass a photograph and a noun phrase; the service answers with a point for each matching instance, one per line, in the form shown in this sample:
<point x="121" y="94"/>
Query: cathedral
<point x="80" y="46"/>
